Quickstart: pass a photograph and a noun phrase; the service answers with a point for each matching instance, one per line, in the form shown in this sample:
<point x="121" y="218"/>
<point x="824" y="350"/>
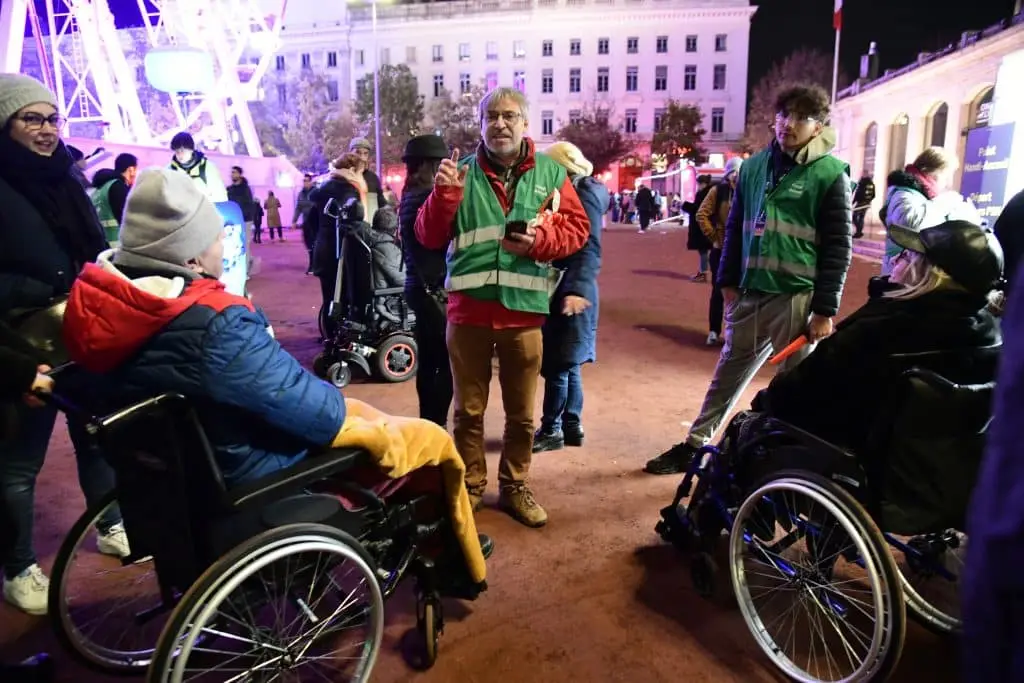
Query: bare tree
<point x="457" y="117"/>
<point x="594" y="131"/>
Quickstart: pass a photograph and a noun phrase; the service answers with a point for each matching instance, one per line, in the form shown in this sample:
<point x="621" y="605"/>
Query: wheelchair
<point x="364" y="327"/>
<point x="838" y="547"/>
<point x="272" y="579"/>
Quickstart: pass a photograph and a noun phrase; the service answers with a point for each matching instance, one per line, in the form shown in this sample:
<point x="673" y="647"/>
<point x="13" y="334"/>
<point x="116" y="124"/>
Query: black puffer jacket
<point x="325" y="249"/>
<point x="422" y="265"/>
<point x="835" y="238"/>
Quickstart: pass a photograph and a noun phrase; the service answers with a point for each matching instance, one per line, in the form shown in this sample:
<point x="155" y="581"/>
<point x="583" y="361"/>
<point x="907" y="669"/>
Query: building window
<point x="547" y="48"/>
<point x="307" y="63"/>
<point x="519" y="49"/>
<point x="659" y="114"/>
<point x="632" y="45"/>
<point x="360" y="58"/>
<point x="492" y="49"/>
<point x="662" y="44"/>
<point x="282" y="94"/>
<point x="718" y="120"/>
<point x="519" y="80"/>
<point x="937" y="124"/>
<point x="385" y="55"/>
<point x="332" y="60"/>
<point x="547" y="81"/>
<point x="629" y="122"/>
<point x="661" y="78"/>
<point x="438" y="85"/>
<point x="691" y="43"/>
<point x="463" y="52"/>
<point x="575" y="116"/>
<point x="465" y="83"/>
<point x="602" y="79"/>
<point x="718" y="80"/>
<point x="492" y="80"/>
<point x="574" y="46"/>
<point x="279" y="62"/>
<point x="437" y="53"/>
<point x="410" y="54"/>
<point x="631" y="79"/>
<point x="574" y="80"/>
<point x="721" y="41"/>
<point x="690" y="77"/>
<point x="547" y="123"/>
<point x="870" y="149"/>
<point x="332" y="91"/>
<point x="602" y="46"/>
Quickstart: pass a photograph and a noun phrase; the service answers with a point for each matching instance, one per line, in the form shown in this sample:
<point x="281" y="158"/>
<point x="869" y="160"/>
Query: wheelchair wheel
<point x="320" y="366"/>
<point x="931" y="571"/>
<point x="824" y="546"/>
<point x="339" y="374"/>
<point x="298" y="602"/>
<point x="397" y="358"/>
<point x="428" y="628"/>
<point x="106" y="611"/>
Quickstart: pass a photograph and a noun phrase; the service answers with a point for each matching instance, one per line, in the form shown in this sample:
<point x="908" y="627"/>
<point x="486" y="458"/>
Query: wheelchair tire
<point x="937" y="618"/>
<point x="239" y="569"/>
<point x="397" y="359"/>
<point x="320" y="366"/>
<point x="428" y="620"/>
<point x="118" y="658"/>
<point x="340" y="374"/>
<point x="885" y="594"/>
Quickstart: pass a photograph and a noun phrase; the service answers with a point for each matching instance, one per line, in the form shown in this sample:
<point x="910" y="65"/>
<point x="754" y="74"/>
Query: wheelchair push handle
<point x="940" y="383"/>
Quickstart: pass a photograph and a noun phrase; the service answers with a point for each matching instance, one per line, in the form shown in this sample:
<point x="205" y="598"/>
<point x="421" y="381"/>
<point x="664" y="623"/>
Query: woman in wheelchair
<point x="931" y="311"/>
<point x="151" y="318"/>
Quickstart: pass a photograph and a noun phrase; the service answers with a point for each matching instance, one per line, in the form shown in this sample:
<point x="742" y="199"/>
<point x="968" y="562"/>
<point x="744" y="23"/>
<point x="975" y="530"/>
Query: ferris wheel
<point x="208" y="56"/>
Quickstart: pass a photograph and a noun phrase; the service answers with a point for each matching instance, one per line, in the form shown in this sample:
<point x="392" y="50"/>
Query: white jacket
<point x="911" y="209"/>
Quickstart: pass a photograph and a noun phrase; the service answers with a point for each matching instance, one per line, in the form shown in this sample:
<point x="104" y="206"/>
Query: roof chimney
<point x="869" y="63"/>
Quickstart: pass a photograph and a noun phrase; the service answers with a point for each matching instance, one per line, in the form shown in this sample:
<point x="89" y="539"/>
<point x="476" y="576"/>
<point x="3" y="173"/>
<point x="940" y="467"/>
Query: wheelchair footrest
<point x="672" y="529"/>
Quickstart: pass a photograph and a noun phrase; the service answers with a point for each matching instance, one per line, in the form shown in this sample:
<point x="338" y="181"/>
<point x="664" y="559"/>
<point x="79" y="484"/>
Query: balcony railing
<point x="448" y="10"/>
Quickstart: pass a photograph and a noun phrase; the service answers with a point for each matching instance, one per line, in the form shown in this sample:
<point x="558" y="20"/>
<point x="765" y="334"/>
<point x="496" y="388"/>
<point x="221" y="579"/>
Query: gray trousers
<point x="757" y="325"/>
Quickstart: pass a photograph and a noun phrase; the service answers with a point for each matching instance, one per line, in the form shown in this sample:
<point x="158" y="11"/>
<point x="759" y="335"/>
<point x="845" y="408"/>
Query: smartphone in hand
<point x="515" y="228"/>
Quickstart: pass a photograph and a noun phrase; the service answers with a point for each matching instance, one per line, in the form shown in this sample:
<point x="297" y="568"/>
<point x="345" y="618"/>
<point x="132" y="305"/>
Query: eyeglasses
<point x="509" y="117"/>
<point x="35" y="121"/>
<point x="783" y="117"/>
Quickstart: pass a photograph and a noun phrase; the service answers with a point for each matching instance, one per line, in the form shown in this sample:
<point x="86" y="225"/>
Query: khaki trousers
<point x="519" y="351"/>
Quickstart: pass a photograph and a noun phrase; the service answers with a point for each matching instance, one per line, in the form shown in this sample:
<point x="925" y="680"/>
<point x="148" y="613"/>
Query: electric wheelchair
<point x="370" y="329"/>
<point x="837" y="547"/>
<point x="276" y="579"/>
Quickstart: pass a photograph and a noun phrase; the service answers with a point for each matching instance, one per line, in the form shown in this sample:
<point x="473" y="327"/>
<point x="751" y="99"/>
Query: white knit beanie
<point x="17" y="91"/>
<point x="571" y="158"/>
<point x="732" y="166"/>
<point x="167" y="218"/>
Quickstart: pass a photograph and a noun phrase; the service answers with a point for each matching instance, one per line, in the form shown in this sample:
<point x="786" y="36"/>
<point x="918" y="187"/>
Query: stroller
<point x="363" y="327"/>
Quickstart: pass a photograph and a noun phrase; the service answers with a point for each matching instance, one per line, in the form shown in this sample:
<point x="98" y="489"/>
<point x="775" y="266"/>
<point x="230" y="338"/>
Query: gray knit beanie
<point x="167" y="218"/>
<point x="359" y="143"/>
<point x="17" y="91"/>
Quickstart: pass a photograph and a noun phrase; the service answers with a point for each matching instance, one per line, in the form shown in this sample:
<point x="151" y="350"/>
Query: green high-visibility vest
<point x="101" y="200"/>
<point x="783" y="257"/>
<point x="477" y="265"/>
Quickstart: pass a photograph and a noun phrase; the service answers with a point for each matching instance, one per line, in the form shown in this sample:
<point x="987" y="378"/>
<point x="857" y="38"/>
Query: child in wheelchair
<point x="150" y="318"/>
<point x="883" y="424"/>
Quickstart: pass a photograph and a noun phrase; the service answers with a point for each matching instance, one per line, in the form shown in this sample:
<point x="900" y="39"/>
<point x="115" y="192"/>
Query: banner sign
<point x="987" y="168"/>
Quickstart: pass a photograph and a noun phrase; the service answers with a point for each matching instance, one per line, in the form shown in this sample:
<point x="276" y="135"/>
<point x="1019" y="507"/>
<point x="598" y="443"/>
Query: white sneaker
<point x="712" y="338"/>
<point x="114" y="542"/>
<point x="28" y="590"/>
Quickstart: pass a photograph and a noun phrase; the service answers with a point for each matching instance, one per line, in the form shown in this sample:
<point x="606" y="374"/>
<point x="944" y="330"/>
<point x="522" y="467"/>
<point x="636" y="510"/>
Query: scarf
<point x="51" y="187"/>
<point x="927" y="182"/>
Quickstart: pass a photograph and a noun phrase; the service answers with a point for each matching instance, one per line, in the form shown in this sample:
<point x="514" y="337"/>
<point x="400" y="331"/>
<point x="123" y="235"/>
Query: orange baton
<point x="793" y="347"/>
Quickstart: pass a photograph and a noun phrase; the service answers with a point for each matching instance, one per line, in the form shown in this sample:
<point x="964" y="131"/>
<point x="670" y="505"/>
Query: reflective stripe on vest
<point x="488" y="233"/>
<point x="533" y="283"/>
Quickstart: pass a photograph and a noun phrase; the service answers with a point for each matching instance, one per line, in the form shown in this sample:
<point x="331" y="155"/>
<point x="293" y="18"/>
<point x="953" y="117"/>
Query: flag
<point x="837" y="16"/>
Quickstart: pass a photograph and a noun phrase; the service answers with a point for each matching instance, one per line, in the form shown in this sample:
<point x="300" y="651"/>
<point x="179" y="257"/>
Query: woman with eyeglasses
<point x="49" y="230"/>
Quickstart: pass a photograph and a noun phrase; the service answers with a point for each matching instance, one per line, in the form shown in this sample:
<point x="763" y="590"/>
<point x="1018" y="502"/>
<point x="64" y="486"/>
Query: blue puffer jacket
<point x="155" y="334"/>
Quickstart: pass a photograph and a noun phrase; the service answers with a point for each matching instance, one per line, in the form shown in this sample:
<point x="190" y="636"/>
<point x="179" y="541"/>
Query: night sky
<point x="902" y="28"/>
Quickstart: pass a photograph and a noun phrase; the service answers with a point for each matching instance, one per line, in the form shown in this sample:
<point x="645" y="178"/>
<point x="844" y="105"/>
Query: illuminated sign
<point x="987" y="168"/>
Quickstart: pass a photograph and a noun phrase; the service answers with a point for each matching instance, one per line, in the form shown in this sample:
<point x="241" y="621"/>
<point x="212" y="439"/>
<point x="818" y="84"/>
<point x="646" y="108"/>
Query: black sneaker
<point x="548" y="441"/>
<point x="673" y="461"/>
<point x="573" y="434"/>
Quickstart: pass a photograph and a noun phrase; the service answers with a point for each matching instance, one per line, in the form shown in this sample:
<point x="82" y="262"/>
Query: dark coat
<point x="1009" y="229"/>
<point x="835" y="239"/>
<point x="644" y="201"/>
<point x="572" y="340"/>
<point x="696" y="240"/>
<point x="422" y="265"/>
<point x="241" y="194"/>
<point x="325" y="249"/>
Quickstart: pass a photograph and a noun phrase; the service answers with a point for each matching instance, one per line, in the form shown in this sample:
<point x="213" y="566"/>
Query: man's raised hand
<point x="449" y="173"/>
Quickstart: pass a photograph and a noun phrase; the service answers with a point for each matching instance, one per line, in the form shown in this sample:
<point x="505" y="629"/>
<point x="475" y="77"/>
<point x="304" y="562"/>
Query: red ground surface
<point x="595" y="595"/>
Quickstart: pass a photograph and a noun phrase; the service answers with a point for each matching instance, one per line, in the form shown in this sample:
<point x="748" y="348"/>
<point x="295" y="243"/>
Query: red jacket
<point x="561" y="234"/>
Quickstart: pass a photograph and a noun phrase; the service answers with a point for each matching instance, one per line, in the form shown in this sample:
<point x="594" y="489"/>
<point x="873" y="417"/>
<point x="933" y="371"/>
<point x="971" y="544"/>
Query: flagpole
<point x="837" y="24"/>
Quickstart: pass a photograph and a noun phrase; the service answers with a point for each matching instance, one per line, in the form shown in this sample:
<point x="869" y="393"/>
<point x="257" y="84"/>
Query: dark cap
<point x="970" y="254"/>
<point x="425" y="147"/>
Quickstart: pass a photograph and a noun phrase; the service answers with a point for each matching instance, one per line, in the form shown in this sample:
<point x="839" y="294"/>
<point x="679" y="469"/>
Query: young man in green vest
<point x="112" y="193"/>
<point x="504" y="213"/>
<point x="787" y="248"/>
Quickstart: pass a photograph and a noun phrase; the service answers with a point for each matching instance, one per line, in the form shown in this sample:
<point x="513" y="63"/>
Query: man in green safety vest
<point x="788" y="245"/>
<point x="504" y="213"/>
<point x="112" y="192"/>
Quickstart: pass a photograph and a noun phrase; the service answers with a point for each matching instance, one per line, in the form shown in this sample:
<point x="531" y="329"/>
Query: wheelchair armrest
<point x="940" y="383"/>
<point x="311" y="469"/>
<point x="389" y="291"/>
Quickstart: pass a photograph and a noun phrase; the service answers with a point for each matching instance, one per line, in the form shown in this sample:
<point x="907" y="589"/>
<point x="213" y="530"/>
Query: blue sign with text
<point x="987" y="167"/>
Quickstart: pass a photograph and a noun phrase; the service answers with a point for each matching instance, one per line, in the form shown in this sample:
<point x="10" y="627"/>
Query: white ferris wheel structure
<point x="83" y="61"/>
